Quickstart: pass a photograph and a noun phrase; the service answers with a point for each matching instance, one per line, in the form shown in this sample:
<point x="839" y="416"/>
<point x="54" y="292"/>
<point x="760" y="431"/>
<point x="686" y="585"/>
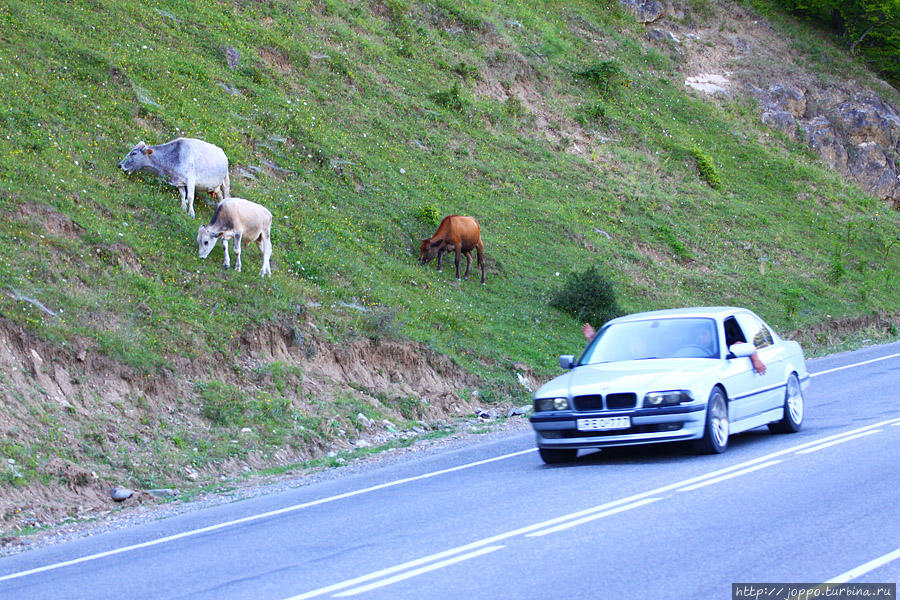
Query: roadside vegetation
<point x="360" y="125"/>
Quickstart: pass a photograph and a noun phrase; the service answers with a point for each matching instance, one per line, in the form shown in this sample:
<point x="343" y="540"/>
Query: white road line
<point x="859" y="364"/>
<point x="419" y="571"/>
<point x="729" y="476"/>
<point x="271" y="513"/>
<point x="840" y="441"/>
<point x="869" y="566"/>
<point x="584" y="520"/>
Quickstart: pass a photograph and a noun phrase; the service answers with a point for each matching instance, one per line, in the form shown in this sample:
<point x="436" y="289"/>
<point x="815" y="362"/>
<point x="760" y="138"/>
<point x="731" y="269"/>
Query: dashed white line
<point x="419" y="571"/>
<point x="729" y="476"/>
<point x="584" y="520"/>
<point x="869" y="566"/>
<point x="839" y="441"/>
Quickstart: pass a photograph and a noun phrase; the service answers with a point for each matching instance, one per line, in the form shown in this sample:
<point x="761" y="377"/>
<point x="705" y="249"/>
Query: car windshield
<point x="689" y="337"/>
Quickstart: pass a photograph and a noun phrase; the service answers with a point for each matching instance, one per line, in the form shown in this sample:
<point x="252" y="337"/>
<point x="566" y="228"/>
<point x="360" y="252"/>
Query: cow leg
<point x="440" y="259"/>
<point x="227" y="260"/>
<point x="456" y="260"/>
<point x="468" y="256"/>
<point x="191" y="183"/>
<point x="237" y="252"/>
<point x="480" y="250"/>
<point x="182" y="191"/>
<point x="265" y="246"/>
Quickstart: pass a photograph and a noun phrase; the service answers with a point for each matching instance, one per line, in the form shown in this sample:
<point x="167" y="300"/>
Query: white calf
<point x="239" y="219"/>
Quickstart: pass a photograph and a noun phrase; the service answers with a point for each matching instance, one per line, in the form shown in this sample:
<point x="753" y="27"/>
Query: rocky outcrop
<point x="646" y="11"/>
<point x="856" y="134"/>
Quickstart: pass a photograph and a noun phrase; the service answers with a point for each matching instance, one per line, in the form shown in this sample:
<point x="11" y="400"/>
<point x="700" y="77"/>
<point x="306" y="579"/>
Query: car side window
<point x="733" y="333"/>
<point x="755" y="331"/>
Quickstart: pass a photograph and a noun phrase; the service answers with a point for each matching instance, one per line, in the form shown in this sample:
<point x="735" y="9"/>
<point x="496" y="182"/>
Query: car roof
<point x="712" y="312"/>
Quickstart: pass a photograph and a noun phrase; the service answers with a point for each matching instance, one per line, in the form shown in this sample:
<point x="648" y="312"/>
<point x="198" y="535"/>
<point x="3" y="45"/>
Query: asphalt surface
<point x="492" y="521"/>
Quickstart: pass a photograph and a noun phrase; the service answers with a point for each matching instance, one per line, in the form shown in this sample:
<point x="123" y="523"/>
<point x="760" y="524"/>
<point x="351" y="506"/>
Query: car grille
<point x="613" y="402"/>
<point x="588" y="402"/>
<point x="621" y="401"/>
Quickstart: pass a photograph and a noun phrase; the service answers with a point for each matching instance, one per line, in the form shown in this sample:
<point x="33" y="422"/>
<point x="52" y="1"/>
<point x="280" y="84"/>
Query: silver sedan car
<point x="671" y="375"/>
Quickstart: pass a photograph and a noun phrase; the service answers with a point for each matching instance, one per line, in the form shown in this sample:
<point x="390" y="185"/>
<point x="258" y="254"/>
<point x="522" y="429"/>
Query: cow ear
<point x="437" y="243"/>
<point x="218" y="234"/>
<point x="148" y="151"/>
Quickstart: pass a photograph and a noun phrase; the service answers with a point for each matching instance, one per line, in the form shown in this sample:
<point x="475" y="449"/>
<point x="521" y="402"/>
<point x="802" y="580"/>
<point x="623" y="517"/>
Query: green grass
<point x="380" y="125"/>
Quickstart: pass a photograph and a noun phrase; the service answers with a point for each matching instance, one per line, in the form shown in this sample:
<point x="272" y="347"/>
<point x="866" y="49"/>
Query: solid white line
<point x="584" y="520"/>
<point x="869" y="566"/>
<point x="840" y="441"/>
<point x="729" y="476"/>
<point x="264" y="515"/>
<point x="859" y="364"/>
<point x="416" y="572"/>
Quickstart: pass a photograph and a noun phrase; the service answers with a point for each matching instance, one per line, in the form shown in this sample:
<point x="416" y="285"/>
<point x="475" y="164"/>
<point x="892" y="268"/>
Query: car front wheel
<point x="555" y="456"/>
<point x="715" y="434"/>
<point x="793" y="408"/>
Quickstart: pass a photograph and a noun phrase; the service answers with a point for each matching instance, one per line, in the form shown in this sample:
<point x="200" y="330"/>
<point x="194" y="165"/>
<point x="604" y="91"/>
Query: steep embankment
<point x="569" y="131"/>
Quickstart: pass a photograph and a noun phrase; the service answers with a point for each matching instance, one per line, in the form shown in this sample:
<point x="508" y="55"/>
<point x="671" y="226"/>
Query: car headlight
<point x="667" y="398"/>
<point x="544" y="404"/>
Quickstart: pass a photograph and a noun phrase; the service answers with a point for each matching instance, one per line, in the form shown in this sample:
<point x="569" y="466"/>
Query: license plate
<point x="603" y="423"/>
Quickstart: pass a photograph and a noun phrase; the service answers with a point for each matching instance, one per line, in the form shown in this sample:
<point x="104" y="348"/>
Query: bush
<point x="707" y="169"/>
<point x="606" y="76"/>
<point x="590" y="113"/>
<point x="588" y="296"/>
<point x="450" y="99"/>
<point x="428" y="215"/>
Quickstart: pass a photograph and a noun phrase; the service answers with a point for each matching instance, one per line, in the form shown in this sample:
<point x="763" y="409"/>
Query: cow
<point x="186" y="163"/>
<point x="242" y="220"/>
<point x="455" y="233"/>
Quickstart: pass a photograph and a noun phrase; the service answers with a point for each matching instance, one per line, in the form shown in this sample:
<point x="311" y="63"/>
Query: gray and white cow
<point x="186" y="163"/>
<point x="238" y="219"/>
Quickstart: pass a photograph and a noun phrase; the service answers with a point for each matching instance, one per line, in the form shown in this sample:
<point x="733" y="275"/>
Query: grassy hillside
<point x="359" y="125"/>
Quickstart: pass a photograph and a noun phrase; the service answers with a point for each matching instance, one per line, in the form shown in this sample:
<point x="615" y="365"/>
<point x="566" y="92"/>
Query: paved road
<point x="492" y="521"/>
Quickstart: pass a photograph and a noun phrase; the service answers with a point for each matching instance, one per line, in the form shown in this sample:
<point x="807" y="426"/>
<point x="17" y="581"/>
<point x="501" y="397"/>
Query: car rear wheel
<point x="715" y="434"/>
<point x="793" y="408"/>
<point x="555" y="456"/>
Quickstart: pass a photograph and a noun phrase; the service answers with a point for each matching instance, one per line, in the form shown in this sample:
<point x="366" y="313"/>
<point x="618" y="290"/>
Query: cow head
<point x="138" y="158"/>
<point x="428" y="250"/>
<point x="206" y="240"/>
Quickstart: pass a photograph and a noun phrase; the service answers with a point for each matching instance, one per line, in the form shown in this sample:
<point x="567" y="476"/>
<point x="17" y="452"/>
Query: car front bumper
<point x="648" y="426"/>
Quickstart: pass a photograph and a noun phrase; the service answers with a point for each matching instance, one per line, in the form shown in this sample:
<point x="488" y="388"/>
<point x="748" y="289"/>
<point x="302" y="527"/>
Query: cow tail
<point x="226" y="187"/>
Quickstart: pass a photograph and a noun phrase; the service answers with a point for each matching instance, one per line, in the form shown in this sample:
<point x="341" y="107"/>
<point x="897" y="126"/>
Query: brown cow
<point x="455" y="233"/>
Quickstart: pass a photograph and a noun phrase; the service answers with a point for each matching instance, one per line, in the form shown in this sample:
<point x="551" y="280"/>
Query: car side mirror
<point x="741" y="350"/>
<point x="567" y="361"/>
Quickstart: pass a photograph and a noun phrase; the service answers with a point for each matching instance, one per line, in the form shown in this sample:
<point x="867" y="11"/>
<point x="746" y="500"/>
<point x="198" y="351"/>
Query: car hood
<point x="637" y="376"/>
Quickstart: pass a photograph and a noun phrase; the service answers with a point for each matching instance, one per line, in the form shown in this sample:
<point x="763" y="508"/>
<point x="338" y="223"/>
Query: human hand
<point x="588" y="331"/>
<point x="758" y="365"/>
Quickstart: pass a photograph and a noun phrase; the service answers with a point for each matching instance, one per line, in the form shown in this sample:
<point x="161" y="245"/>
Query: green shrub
<point x="665" y="234"/>
<point x="590" y="113"/>
<point x="588" y="296"/>
<point x="450" y="99"/>
<point x="707" y="169"/>
<point x="606" y="76"/>
<point x="513" y="106"/>
<point x="428" y="215"/>
<point x="465" y="71"/>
